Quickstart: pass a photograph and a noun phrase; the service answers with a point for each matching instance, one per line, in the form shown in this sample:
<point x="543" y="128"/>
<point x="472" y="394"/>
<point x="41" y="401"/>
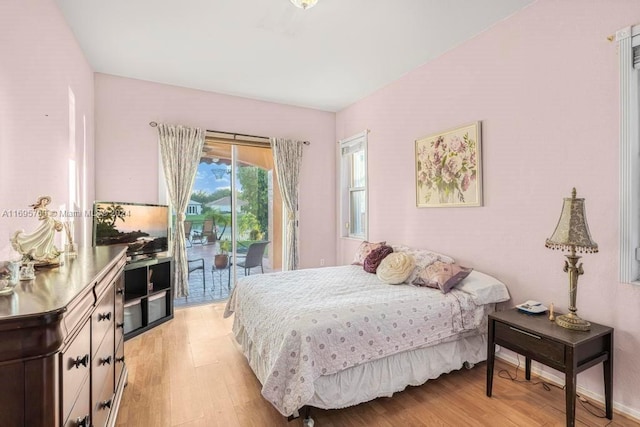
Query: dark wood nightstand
<point x="568" y="351"/>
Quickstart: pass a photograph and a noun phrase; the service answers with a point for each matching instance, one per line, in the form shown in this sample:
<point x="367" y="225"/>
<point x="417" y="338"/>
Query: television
<point x="144" y="228"/>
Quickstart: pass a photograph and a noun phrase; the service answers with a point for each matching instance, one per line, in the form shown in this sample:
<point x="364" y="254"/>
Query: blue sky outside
<point x="207" y="181"/>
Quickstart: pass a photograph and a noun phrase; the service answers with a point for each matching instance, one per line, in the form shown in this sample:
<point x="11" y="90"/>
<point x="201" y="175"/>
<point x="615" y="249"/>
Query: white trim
<point x="362" y="134"/>
<point x="629" y="191"/>
<point x="535" y="369"/>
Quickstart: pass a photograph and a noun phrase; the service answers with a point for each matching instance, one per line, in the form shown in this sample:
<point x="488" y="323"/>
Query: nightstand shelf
<point x="568" y="351"/>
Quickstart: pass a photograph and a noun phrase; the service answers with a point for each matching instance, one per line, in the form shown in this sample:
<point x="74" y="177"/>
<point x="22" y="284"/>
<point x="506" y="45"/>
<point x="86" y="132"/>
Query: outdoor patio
<point x="216" y="285"/>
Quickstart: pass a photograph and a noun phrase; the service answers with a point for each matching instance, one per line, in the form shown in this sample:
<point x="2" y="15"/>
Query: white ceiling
<point x="327" y="57"/>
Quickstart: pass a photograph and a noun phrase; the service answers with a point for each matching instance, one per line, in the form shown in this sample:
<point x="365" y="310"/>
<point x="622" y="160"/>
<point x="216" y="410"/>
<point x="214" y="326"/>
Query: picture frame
<point x="449" y="168"/>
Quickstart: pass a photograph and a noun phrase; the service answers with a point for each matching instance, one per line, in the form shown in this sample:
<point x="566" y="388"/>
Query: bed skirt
<point x="381" y="377"/>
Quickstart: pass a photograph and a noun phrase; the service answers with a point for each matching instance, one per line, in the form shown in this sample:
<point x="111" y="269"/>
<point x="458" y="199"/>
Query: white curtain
<point x="180" y="148"/>
<point x="287" y="156"/>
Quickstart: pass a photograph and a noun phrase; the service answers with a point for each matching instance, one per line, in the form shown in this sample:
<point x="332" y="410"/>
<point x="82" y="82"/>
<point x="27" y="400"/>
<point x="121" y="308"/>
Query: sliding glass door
<point x="233" y="219"/>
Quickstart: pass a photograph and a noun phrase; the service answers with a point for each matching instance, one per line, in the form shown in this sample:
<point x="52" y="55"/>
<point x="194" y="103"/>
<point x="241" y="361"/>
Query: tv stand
<point x="148" y="294"/>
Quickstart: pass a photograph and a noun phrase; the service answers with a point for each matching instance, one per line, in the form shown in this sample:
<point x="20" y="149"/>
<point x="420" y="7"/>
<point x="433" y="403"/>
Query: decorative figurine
<point x="552" y="316"/>
<point x="39" y="245"/>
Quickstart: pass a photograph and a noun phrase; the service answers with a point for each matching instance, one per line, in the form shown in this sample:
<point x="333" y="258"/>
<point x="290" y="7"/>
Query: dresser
<point x="61" y="344"/>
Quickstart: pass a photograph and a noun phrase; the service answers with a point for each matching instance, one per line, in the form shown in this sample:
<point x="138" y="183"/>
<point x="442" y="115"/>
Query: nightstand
<point x="568" y="351"/>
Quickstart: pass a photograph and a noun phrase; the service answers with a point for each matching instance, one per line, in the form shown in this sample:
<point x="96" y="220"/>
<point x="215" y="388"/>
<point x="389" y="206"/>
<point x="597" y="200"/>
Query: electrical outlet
<point x="321" y="262"/>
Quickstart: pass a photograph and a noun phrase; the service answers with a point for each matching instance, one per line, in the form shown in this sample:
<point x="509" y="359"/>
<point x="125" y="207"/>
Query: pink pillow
<point x="364" y="249"/>
<point x="375" y="257"/>
<point x="441" y="275"/>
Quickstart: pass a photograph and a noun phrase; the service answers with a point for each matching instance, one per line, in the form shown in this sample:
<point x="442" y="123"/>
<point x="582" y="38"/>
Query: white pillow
<point x="395" y="268"/>
<point x="484" y="289"/>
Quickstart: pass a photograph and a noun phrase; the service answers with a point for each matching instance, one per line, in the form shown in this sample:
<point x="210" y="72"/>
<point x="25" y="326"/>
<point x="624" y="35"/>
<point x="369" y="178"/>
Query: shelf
<point x="148" y="294"/>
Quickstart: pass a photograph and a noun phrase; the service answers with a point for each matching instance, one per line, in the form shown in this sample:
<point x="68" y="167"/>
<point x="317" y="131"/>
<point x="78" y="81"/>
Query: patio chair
<point x="197" y="264"/>
<point x="254" y="257"/>
<point x="208" y="231"/>
<point x="187" y="232"/>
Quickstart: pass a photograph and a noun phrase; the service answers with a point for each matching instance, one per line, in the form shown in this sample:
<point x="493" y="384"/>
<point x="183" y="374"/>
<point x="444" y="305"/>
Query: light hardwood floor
<point x="189" y="372"/>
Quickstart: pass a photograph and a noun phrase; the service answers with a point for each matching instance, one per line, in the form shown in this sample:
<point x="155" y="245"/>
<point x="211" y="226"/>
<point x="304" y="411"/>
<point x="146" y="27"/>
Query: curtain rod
<point x="232" y="135"/>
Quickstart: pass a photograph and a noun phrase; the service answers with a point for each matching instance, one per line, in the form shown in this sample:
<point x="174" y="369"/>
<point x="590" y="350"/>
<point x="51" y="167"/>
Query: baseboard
<point x="617" y="407"/>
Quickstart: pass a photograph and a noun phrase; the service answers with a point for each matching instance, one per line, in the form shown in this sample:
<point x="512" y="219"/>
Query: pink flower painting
<point x="448" y="168"/>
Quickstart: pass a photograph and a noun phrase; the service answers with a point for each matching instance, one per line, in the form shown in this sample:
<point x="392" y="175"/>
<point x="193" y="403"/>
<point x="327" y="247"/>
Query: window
<point x="353" y="186"/>
<point x="629" y="57"/>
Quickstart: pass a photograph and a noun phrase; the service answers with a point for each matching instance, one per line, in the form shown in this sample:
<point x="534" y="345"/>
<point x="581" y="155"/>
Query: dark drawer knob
<point x="119" y="291"/>
<point x="105" y="360"/>
<point x="104" y="316"/>
<point x="84" y="361"/>
<point x="83" y="422"/>
<point x="119" y="359"/>
<point x="120" y="325"/>
<point x="105" y="404"/>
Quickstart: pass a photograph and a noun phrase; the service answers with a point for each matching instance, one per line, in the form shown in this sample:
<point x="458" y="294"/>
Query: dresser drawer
<point x="80" y="415"/>
<point x="119" y="321"/>
<point x="75" y="363"/>
<point x="119" y="361"/>
<point x="529" y="344"/>
<point x="103" y="364"/>
<point x="102" y="319"/>
<point x="102" y="403"/>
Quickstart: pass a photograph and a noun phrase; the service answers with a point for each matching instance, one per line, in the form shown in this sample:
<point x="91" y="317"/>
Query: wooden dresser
<point x="61" y="344"/>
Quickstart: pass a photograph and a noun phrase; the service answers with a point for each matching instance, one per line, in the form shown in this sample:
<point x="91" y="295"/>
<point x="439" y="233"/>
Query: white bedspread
<point x="314" y="322"/>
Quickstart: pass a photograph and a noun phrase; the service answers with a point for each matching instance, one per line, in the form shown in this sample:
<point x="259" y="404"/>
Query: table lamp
<point x="572" y="234"/>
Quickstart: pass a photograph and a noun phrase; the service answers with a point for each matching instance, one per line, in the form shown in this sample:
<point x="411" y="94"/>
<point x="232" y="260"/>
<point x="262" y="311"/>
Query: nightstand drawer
<point x="529" y="344"/>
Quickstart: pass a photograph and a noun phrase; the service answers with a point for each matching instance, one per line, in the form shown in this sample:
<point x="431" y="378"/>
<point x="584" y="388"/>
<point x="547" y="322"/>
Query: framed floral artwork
<point x="449" y="168"/>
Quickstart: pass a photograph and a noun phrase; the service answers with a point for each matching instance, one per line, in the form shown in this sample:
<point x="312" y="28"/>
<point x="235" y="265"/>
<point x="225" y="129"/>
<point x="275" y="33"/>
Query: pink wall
<point x="127" y="148"/>
<point x="39" y="132"/>
<point x="545" y="85"/>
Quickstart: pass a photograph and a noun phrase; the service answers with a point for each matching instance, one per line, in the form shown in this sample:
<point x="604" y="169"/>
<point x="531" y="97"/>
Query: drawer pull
<point x="119" y="359"/>
<point x="84" y="361"/>
<point x="524" y="332"/>
<point x="119" y="291"/>
<point x="119" y="325"/>
<point x="83" y="422"/>
<point x="105" y="404"/>
<point x="104" y="316"/>
<point x="105" y="361"/>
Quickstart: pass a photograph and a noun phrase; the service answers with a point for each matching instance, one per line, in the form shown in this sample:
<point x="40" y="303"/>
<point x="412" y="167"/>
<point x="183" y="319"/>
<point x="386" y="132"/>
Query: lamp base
<point x="573" y="321"/>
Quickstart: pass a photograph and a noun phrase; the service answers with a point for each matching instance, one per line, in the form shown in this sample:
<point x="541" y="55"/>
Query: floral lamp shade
<point x="572" y="229"/>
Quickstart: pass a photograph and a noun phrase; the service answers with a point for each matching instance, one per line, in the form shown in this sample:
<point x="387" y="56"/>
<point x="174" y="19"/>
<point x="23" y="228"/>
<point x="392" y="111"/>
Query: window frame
<point x="629" y="191"/>
<point x="346" y="189"/>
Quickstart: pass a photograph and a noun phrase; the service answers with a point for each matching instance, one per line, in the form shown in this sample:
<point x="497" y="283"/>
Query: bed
<point x="337" y="336"/>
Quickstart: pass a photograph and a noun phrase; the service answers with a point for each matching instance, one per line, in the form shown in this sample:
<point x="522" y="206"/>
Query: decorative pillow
<point x="364" y="249"/>
<point x="441" y="275"/>
<point x="423" y="258"/>
<point x="395" y="268"/>
<point x="375" y="257"/>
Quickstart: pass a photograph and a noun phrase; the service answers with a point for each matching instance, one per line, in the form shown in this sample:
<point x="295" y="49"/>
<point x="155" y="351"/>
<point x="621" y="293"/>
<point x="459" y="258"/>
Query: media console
<point x="148" y="295"/>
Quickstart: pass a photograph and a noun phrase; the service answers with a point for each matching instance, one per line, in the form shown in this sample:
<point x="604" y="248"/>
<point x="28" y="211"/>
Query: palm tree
<point x="110" y="215"/>
<point x="220" y="219"/>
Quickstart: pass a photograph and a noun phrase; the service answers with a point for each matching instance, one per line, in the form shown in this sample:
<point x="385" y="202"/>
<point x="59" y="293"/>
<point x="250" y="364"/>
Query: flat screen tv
<point x="144" y="228"/>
